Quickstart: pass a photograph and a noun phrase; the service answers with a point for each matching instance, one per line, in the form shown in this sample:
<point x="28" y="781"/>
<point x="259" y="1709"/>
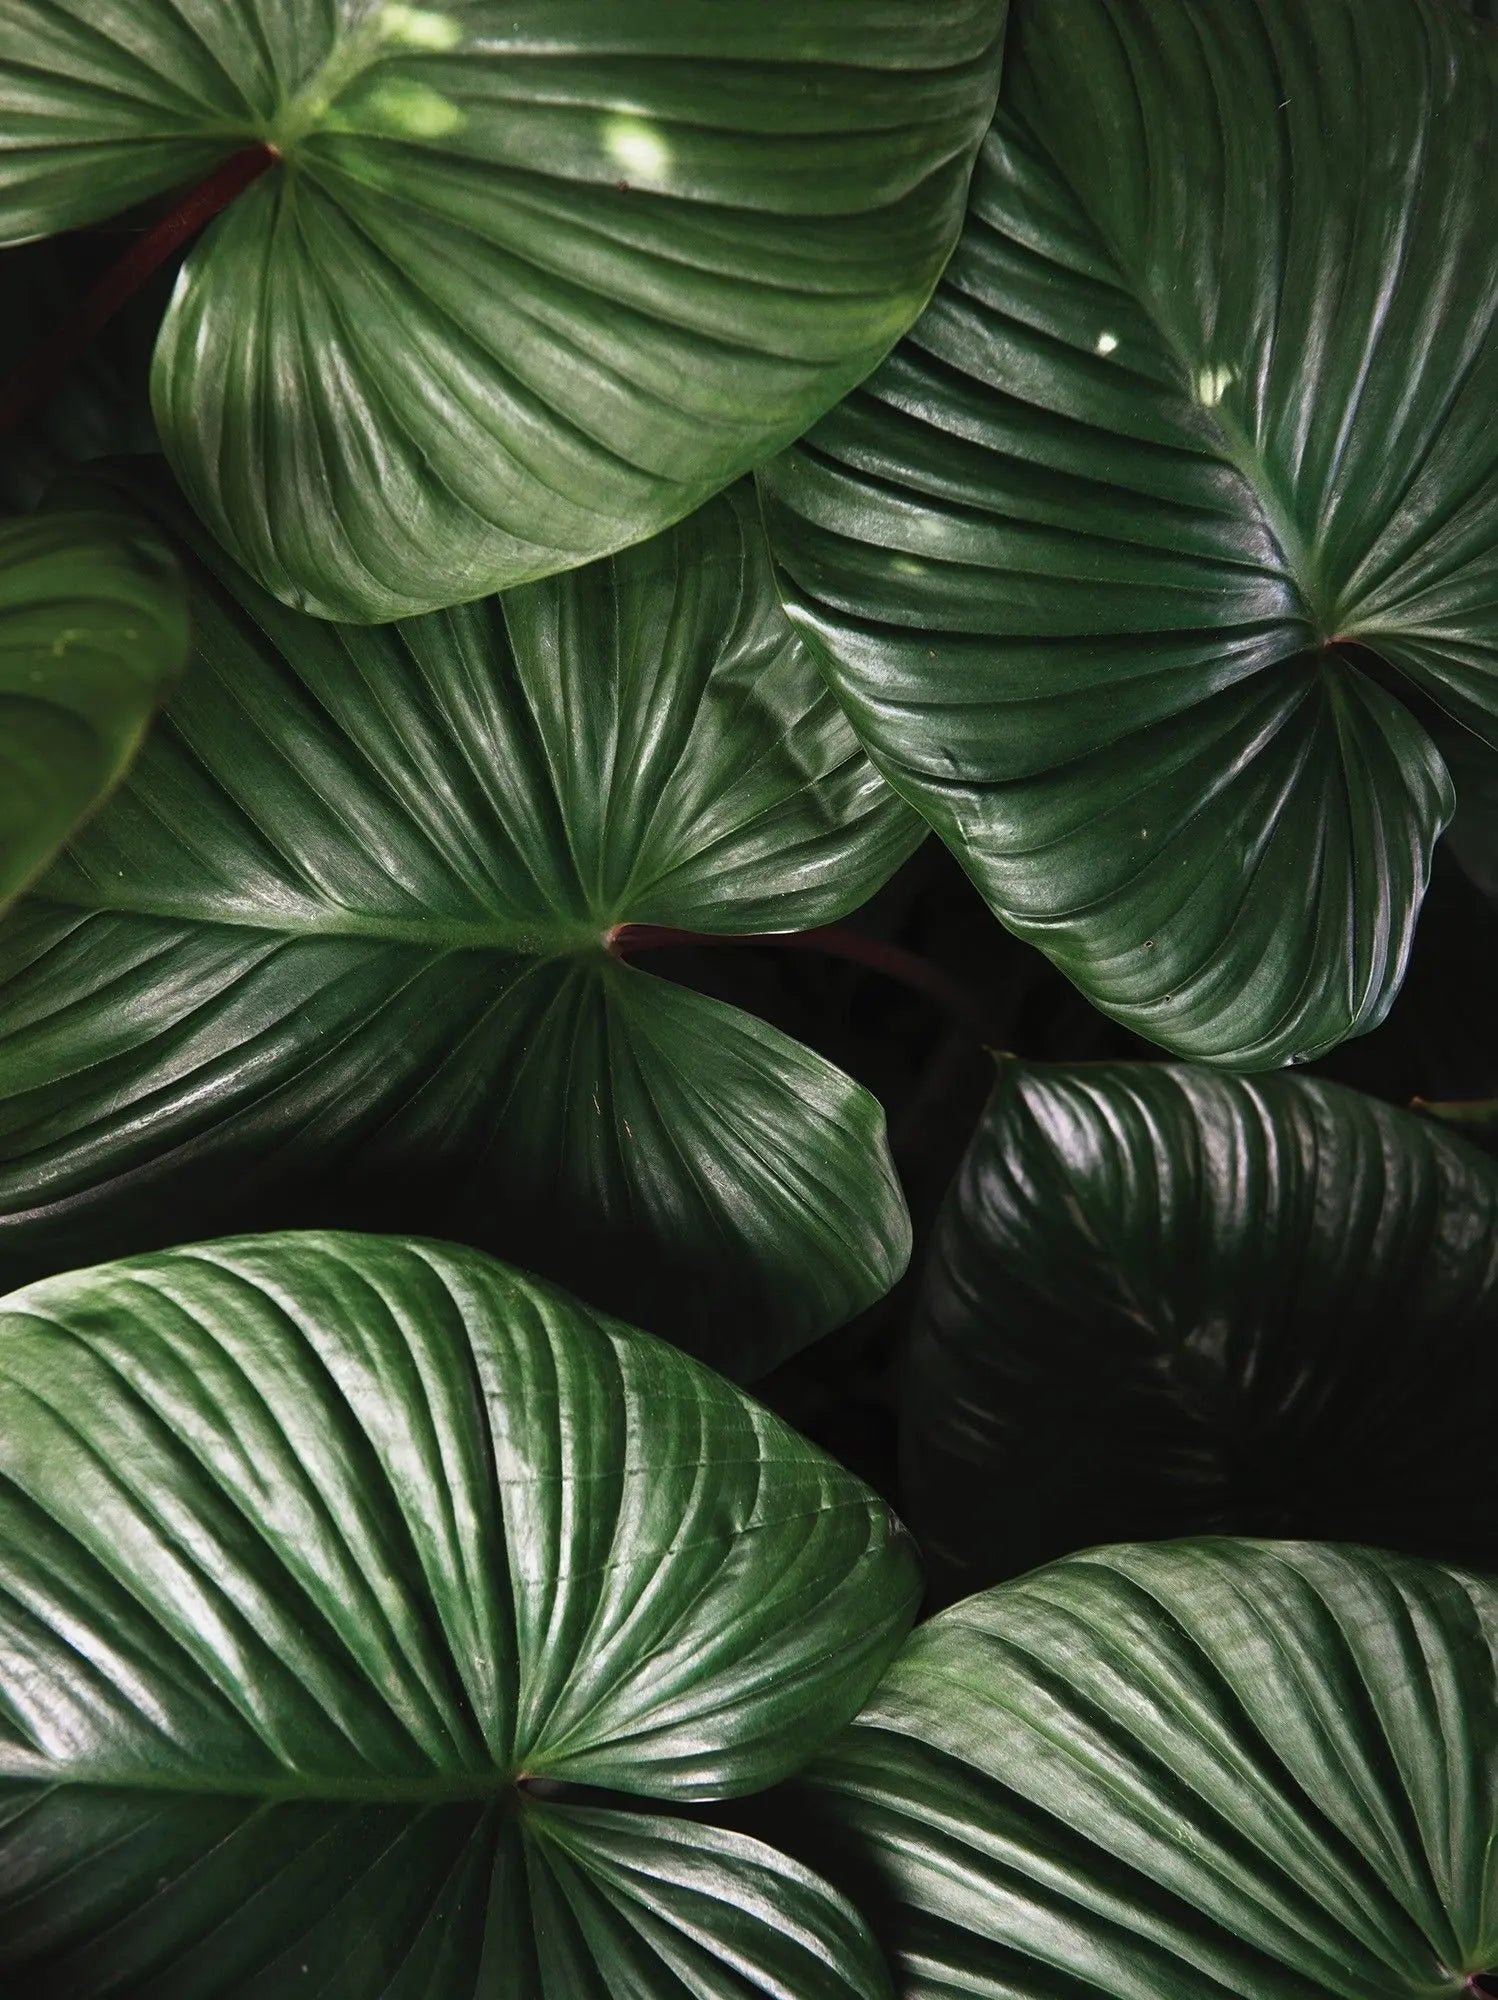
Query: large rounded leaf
<point x="1113" y="562"/>
<point x="359" y="1529"/>
<point x="1162" y="1302"/>
<point x="348" y="927"/>
<point x="1211" y="1771"/>
<point x="527" y="281"/>
<point x="93" y="630"/>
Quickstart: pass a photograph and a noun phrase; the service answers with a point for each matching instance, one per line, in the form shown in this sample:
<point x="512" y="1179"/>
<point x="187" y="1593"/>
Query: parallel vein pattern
<point x="312" y="1546"/>
<point x="205" y="1898"/>
<point x="1163" y="1302"/>
<point x="1265" y="1771"/>
<point x="341" y="1516"/>
<point x="347" y="925"/>
<point x="530" y="282"/>
<point x="1198" y="416"/>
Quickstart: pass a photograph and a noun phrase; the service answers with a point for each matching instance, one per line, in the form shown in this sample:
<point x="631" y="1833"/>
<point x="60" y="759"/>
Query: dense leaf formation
<point x="1214" y="1769"/>
<point x="1119" y="563"/>
<point x="93" y="630"/>
<point x="526" y="282"/>
<point x="313" y="1547"/>
<point x="1163" y="1302"/>
<point x="348" y="925"/>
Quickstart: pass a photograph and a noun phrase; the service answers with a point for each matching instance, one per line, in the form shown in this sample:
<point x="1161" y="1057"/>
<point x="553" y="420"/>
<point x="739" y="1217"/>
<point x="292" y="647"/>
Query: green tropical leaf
<point x="317" y="1551"/>
<point x="1163" y="1302"/>
<point x="1212" y="1769"/>
<point x="525" y="283"/>
<point x="1119" y="563"/>
<point x="93" y="630"/>
<point x="344" y="940"/>
<point x="109" y="1895"/>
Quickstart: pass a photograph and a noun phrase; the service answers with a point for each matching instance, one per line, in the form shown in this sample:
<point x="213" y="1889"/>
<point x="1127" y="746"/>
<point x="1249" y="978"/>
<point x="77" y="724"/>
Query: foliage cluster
<point x="498" y="491"/>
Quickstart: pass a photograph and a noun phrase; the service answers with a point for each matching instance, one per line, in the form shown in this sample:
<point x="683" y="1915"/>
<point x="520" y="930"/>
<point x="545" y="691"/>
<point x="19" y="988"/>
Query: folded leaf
<point x="1190" y="463"/>
<point x="339" y="952"/>
<point x="1216" y="1769"/>
<point x="1162" y="1302"/>
<point x="93" y="630"/>
<point x="524" y="284"/>
<point x="312" y="1547"/>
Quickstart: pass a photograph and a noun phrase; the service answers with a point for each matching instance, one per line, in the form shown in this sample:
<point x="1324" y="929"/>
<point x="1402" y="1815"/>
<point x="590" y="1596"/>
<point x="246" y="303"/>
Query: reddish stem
<point x="50" y="360"/>
<point x="905" y="966"/>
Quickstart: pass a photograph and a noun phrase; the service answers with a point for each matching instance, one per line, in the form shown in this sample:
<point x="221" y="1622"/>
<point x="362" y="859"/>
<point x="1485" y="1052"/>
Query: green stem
<point x="47" y="363"/>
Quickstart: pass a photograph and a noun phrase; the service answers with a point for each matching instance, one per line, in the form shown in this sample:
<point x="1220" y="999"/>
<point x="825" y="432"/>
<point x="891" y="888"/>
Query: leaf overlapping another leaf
<point x="1210" y="1769"/>
<point x="525" y="285"/>
<point x="343" y="941"/>
<point x="312" y="1547"/>
<point x="1191" y="454"/>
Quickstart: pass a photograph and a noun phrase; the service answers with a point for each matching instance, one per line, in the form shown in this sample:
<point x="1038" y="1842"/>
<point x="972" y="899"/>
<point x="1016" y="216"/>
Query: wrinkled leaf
<point x="339" y="951"/>
<point x="93" y="630"/>
<point x="1214" y="1769"/>
<point x="1119" y="561"/>
<point x="524" y="284"/>
<point x="1162" y="1302"/>
<point x="307" y="1541"/>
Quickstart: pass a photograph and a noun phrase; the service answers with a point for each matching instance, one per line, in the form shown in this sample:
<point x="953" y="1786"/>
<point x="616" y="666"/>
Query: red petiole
<point x="48" y="362"/>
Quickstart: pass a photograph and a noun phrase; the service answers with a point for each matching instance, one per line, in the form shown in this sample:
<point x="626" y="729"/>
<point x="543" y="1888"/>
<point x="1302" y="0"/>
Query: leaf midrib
<point x="522" y="940"/>
<point x="1236" y="447"/>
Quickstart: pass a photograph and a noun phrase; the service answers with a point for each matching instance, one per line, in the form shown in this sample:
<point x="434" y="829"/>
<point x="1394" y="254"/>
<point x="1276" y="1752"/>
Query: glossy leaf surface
<point x="346" y="928"/>
<point x="176" y="1898"/>
<point x="527" y="282"/>
<point x="93" y="630"/>
<point x="1119" y="562"/>
<point x="1163" y="1302"/>
<point x="360" y="1529"/>
<point x="1264" y="1771"/>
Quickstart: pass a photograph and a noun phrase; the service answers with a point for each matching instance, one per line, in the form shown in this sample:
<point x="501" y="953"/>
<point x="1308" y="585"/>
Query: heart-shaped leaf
<point x="525" y="283"/>
<point x="1163" y="1302"/>
<point x="93" y="630"/>
<point x="343" y="939"/>
<point x="315" y="1550"/>
<point x="1214" y="1769"/>
<point x="1114" y="561"/>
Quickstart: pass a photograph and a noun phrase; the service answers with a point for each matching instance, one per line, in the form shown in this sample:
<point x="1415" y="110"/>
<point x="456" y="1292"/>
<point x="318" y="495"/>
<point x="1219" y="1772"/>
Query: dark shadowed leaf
<point x="313" y="1547"/>
<point x="525" y="283"/>
<point x="110" y="1895"/>
<point x="93" y="630"/>
<point x="1122" y="560"/>
<point x="1208" y="1771"/>
<point x="100" y="407"/>
<point x="348" y="925"/>
<point x="1162" y="1302"/>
